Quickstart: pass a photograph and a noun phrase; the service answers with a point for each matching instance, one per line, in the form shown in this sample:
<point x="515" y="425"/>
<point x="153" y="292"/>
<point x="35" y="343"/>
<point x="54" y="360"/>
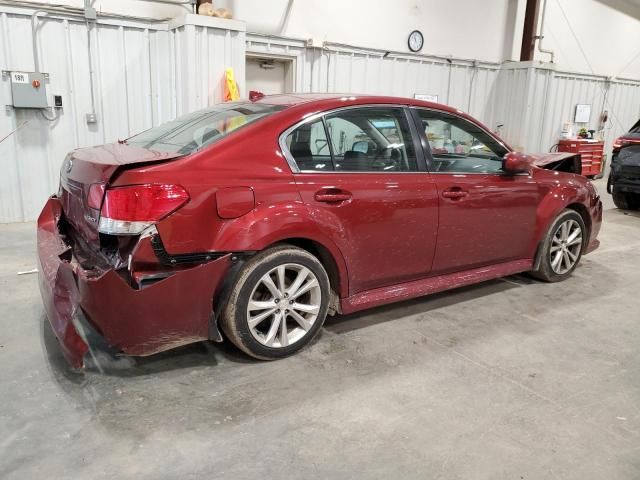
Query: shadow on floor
<point x="616" y="214"/>
<point x="366" y="318"/>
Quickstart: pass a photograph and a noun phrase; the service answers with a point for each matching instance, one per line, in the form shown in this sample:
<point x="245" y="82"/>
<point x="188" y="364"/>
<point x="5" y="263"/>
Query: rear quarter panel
<point x="251" y="161"/>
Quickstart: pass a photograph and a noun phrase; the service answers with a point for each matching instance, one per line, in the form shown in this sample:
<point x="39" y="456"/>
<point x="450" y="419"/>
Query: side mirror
<point x="515" y="162"/>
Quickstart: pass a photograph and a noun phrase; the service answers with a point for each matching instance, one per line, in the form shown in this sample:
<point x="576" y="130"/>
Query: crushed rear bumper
<point x="99" y="308"/>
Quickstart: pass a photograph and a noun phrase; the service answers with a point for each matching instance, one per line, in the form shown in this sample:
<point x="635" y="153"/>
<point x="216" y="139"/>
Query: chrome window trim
<point x="501" y="174"/>
<point x="354" y="172"/>
<point x="282" y="139"/>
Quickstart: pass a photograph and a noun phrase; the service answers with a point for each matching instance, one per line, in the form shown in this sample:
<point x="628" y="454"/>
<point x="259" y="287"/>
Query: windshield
<point x="195" y="130"/>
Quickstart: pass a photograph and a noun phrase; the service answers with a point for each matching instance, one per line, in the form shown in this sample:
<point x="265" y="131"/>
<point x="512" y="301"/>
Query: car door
<point x="486" y="215"/>
<point x="360" y="175"/>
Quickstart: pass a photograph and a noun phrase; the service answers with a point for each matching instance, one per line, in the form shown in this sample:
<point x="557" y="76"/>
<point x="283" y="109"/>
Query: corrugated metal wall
<point x="144" y="74"/>
<point x="168" y="68"/>
<point x="535" y="102"/>
<point x="460" y="83"/>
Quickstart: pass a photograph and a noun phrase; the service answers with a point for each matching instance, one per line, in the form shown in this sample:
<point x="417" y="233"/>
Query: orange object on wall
<point x="231" y="92"/>
<point x="591" y="153"/>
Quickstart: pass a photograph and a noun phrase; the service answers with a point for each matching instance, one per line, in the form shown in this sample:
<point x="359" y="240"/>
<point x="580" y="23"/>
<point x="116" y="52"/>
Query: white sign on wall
<point x="583" y="113"/>
<point x="19" y="77"/>
<point x="426" y="97"/>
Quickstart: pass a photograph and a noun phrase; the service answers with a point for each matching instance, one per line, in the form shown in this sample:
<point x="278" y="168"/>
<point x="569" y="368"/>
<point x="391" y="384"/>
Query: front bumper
<point x="625" y="185"/>
<point x="624" y="177"/>
<point x="171" y="312"/>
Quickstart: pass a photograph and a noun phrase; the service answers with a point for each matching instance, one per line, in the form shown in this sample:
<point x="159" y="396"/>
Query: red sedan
<point x="258" y="219"/>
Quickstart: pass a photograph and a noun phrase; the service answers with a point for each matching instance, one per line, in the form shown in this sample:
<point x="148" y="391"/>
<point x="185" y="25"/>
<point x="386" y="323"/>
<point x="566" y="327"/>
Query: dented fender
<point x="557" y="197"/>
<point x="552" y="203"/>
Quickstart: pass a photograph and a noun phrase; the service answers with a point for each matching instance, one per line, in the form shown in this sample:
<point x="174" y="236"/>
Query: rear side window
<point x="195" y="130"/>
<point x="365" y="139"/>
<point x="309" y="147"/>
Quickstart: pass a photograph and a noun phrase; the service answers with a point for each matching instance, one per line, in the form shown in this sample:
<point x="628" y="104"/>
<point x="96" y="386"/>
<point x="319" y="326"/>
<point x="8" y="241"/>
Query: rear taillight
<point x="617" y="143"/>
<point x="131" y="209"/>
<point x="620" y="142"/>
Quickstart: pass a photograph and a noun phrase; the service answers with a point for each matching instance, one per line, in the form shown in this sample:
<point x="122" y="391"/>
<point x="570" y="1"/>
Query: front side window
<point x="371" y="139"/>
<point x="195" y="130"/>
<point x="459" y="146"/>
<point x="364" y="139"/>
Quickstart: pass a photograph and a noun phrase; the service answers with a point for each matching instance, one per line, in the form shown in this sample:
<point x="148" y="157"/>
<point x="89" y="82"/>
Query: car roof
<point x="303" y="104"/>
<point x="294" y="99"/>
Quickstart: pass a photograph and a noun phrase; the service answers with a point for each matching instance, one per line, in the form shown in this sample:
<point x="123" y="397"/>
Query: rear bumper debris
<point x="99" y="309"/>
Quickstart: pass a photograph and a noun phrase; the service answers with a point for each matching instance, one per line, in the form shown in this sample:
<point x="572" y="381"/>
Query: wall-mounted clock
<point x="416" y="41"/>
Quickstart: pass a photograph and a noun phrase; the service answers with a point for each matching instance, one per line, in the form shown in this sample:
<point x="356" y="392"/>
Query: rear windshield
<point x="635" y="128"/>
<point x="195" y="130"/>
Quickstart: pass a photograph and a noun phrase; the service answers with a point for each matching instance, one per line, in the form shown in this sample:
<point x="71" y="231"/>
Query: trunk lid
<point x="87" y="166"/>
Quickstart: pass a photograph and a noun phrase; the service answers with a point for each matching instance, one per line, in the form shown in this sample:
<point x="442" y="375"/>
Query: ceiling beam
<point x="529" y="30"/>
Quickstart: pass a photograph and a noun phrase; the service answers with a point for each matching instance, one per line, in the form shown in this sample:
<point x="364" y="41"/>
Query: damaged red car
<point x="253" y="221"/>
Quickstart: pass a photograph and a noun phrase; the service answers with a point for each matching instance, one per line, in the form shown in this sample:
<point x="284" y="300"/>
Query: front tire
<point x="278" y="303"/>
<point x="625" y="200"/>
<point x="562" y="247"/>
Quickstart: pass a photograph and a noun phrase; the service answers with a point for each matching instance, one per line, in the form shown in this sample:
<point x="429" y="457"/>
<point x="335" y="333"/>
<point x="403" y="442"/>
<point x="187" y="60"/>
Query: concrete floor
<point x="509" y="379"/>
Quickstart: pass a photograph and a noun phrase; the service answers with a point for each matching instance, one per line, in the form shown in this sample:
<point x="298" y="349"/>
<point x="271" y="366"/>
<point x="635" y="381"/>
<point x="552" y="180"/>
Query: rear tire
<point x="562" y="247"/>
<point x="278" y="303"/>
<point x="625" y="200"/>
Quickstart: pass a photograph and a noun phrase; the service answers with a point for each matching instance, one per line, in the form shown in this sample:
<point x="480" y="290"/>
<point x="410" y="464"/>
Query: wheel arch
<point x="586" y="218"/>
<point x="338" y="279"/>
<point x="577" y="207"/>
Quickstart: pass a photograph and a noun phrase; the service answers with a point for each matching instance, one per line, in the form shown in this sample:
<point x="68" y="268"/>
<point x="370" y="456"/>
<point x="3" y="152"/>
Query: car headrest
<point x="354" y="155"/>
<point x="354" y="161"/>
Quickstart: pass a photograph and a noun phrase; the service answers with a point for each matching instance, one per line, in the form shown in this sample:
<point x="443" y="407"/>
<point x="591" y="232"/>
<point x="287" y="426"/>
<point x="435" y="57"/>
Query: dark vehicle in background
<point x="624" y="177"/>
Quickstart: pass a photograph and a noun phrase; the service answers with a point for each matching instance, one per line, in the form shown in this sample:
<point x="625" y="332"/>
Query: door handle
<point x="332" y="195"/>
<point x="455" y="193"/>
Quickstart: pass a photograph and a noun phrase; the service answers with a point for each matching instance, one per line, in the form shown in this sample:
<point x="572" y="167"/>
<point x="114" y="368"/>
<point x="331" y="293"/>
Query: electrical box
<point x="314" y="43"/>
<point x="28" y="90"/>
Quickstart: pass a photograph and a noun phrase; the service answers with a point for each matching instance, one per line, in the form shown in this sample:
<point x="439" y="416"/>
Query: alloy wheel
<point x="284" y="305"/>
<point x="566" y="245"/>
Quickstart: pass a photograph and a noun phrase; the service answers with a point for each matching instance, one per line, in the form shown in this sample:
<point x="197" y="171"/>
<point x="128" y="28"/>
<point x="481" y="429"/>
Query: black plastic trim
<point x="188" y="258"/>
